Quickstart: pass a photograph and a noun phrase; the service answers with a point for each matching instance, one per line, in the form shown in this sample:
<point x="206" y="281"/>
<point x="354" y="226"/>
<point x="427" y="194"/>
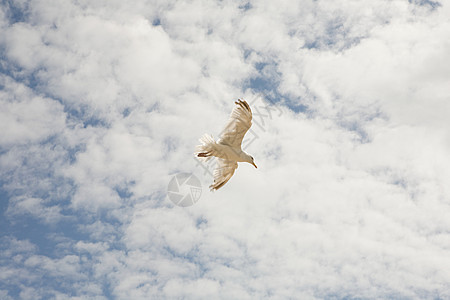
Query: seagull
<point x="228" y="148"/>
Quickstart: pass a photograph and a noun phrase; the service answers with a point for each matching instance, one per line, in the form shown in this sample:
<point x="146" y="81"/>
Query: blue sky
<point x="103" y="103"/>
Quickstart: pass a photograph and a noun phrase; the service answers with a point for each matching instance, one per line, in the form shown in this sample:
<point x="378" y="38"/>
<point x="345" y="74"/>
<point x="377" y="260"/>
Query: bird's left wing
<point x="223" y="172"/>
<point x="238" y="124"/>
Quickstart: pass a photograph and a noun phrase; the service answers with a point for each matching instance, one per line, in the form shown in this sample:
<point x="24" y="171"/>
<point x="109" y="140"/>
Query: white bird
<point x="228" y="148"/>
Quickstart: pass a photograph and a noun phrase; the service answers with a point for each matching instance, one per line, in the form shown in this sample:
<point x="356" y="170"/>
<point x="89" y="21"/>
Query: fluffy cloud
<point x="103" y="102"/>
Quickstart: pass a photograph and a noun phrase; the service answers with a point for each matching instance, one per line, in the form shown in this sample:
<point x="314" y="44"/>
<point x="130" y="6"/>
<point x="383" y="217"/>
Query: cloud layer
<point x="103" y="103"/>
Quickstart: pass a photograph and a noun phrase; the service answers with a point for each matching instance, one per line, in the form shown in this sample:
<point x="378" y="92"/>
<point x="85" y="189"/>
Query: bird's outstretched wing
<point x="239" y="123"/>
<point x="223" y="172"/>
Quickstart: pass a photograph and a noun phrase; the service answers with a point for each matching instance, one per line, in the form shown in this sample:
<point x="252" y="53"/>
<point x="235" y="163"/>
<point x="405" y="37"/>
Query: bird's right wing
<point x="223" y="172"/>
<point x="239" y="123"/>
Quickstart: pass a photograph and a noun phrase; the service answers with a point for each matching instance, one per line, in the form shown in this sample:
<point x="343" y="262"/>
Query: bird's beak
<point x="254" y="165"/>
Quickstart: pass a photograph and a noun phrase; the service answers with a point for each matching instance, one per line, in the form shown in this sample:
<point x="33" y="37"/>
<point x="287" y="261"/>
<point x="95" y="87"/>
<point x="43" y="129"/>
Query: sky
<point x="103" y="103"/>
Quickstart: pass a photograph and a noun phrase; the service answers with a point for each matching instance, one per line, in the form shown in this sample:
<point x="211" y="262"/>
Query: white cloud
<point x="26" y="117"/>
<point x="103" y="103"/>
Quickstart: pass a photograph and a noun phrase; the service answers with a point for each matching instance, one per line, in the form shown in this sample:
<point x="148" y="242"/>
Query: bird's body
<point x="228" y="148"/>
<point x="225" y="151"/>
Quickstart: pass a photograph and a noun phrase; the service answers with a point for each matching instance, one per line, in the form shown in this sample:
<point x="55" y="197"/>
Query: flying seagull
<point x="228" y="148"/>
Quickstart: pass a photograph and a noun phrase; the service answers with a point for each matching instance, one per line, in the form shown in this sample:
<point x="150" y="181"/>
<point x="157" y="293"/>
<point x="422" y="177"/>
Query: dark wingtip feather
<point x="243" y="104"/>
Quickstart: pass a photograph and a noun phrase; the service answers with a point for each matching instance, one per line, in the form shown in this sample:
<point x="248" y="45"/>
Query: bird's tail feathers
<point x="207" y="148"/>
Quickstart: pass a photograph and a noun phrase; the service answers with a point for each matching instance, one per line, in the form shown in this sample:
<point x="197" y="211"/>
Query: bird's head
<point x="251" y="160"/>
